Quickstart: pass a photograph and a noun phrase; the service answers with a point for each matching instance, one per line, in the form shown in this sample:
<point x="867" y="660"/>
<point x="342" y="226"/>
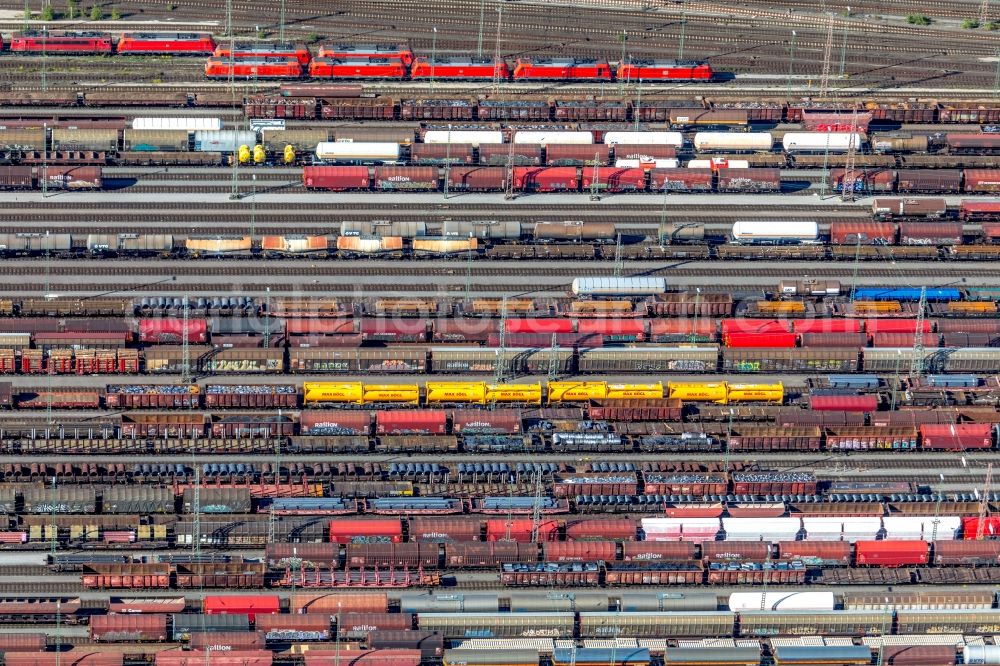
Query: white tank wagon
<point x="816" y="142"/>
<point x="706" y="142"/>
<point x="624" y="286"/>
<point x="358" y="152"/>
<point x="781" y="601"/>
<point x="386" y="228"/>
<point x="482" y="230"/>
<point x="675" y="139"/>
<point x="775" y="232"/>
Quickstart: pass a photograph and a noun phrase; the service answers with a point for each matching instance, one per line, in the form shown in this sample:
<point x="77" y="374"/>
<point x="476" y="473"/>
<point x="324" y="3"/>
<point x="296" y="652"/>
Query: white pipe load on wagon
<point x="781" y="601"/>
<point x="837" y="528"/>
<point x="545" y="138"/>
<point x="761" y="529"/>
<point x="775" y="232"/>
<point x="223" y="141"/>
<point x="732" y="141"/>
<point x="186" y="124"/>
<point x="981" y="654"/>
<point x="463" y="136"/>
<point x="357" y="151"/>
<point x="644" y="138"/>
<point x="836" y="142"/>
<point x="669" y="163"/>
<point x="631" y="286"/>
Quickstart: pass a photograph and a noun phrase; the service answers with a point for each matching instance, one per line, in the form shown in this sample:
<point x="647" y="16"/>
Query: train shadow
<point x="118" y="183"/>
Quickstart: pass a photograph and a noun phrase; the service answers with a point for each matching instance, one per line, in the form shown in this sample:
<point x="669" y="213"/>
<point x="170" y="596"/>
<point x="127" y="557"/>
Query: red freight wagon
<point x="171" y="331"/>
<point x="333" y="603"/>
<point x="977" y="211"/>
<point x="399" y="52"/>
<point x="406" y="178"/>
<point x="664" y="70"/>
<point x="816" y="553"/>
<point x="253" y="68"/>
<point x="496" y="421"/>
<point x="579" y="551"/>
<point x="572" y="154"/>
<point x="394" y="330"/>
<point x="680" y="180"/>
<point x="411" y="422"/>
<point x="477" y="179"/>
<point x="968" y="552"/>
<point x="128" y="628"/>
<point x="991" y="232"/>
<point x="873" y="326"/>
<point x="970" y="527"/>
<point x="851" y="232"/>
<point x="378" y="530"/>
<point x="250" y="605"/>
<point x="458" y="67"/>
<point x="214" y="657"/>
<point x="445" y="530"/>
<point x="357" y="625"/>
<point x="982" y="180"/>
<point x="665" y="551"/>
<point x="644" y="152"/>
<point x="918" y="655"/>
<point x="561" y="69"/>
<point x="363" y="657"/>
<point x="890" y="553"/>
<point x="844" y="403"/>
<point x="337" y="422"/>
<point x="79" y="657"/>
<point x="801" y="326"/>
<point x="753" y="326"/>
<point x="617" y="529"/>
<point x="336" y="178"/>
<point x="259" y="50"/>
<point x="956" y="437"/>
<point x="23" y="643"/>
<point x="519" y="529"/>
<point x="621" y="330"/>
<point x="169" y="43"/>
<point x="551" y="179"/>
<point x="60" y="41"/>
<point x="357" y="68"/>
<point x="552" y="325"/>
<point x="227" y="641"/>
<point x="760" y="340"/>
<point x="615" y="179"/>
<point x="930" y="233"/>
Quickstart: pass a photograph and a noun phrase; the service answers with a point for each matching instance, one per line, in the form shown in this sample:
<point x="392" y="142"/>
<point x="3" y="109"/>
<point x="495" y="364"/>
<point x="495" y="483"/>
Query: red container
<point x="406" y="178"/>
<point x="227" y="641"/>
<point x="658" y="551"/>
<point x="250" y="605"/>
<point x="498" y="421"/>
<point x="572" y="154"/>
<point x="357" y="625"/>
<point x="816" y="553"/>
<point x="890" y="553"/>
<point x="376" y="530"/>
<point x="980" y="181"/>
<point x="546" y="179"/>
<point x="930" y="233"/>
<point x="445" y="530"/>
<point x="958" y="437"/>
<point x="760" y="340"/>
<point x="970" y="526"/>
<point x="615" y="179"/>
<point x="362" y="657"/>
<point x="477" y="179"/>
<point x="801" y="326"/>
<point x="754" y="326"/>
<point x="849" y="232"/>
<point x="378" y="329"/>
<point x="873" y="326"/>
<point x="680" y="180"/>
<point x="844" y="403"/>
<point x="171" y="331"/>
<point x="411" y="422"/>
<point x="336" y="178"/>
<point x="519" y="529"/>
<point x="749" y="180"/>
<point x="335" y="421"/>
<point x="129" y="628"/>
<point x="579" y="551"/>
<point x="215" y="658"/>
<point x="547" y="326"/>
<point x="969" y="552"/>
<point x="616" y="529"/>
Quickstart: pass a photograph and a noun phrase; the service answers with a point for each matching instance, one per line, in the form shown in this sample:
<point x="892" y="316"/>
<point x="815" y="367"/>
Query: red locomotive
<point x="561" y="69"/>
<point x="265" y="50"/>
<point x="248" y="68"/>
<point x="458" y="68"/>
<point x="170" y="43"/>
<point x="357" y="68"/>
<point x="664" y="70"/>
<point x="60" y="41"/>
<point x="355" y="51"/>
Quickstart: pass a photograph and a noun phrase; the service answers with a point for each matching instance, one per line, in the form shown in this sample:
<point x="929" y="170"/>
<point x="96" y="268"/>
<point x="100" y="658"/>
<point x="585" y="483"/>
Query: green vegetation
<point x="992" y="26"/>
<point x="918" y="19"/>
<point x="72" y="6"/>
<point x="261" y="33"/>
<point x="116" y="15"/>
<point x="48" y="13"/>
<point x="27" y="14"/>
<point x="96" y="13"/>
<point x="171" y="8"/>
<point x="312" y="38"/>
<point x="970" y="24"/>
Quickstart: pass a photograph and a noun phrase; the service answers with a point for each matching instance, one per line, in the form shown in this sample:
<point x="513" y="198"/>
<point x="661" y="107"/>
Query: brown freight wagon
<point x="757" y="577"/>
<point x="398" y="555"/>
<point x="653" y="573"/>
<point x="251" y="395"/>
<point x="129" y="628"/>
<point x="946" y="181"/>
<point x="586" y="574"/>
<point x="557" y="154"/>
<point x="437" y="109"/>
<point x="930" y="233"/>
<point x="967" y="553"/>
<point x="696" y="484"/>
<point x="379" y="108"/>
<point x="588" y="110"/>
<point x="488" y="554"/>
<point x="441" y="153"/>
<point x="735" y="551"/>
<point x="581" y="551"/>
<point x="658" y="551"/>
<point x="151" y="396"/>
<point x="982" y="181"/>
<point x="126" y="576"/>
<point x="224" y="641"/>
<point x="749" y="180"/>
<point x="667" y="409"/>
<point x="514" y="109"/>
<point x="430" y="644"/>
<point x="680" y="180"/>
<point x="598" y="529"/>
<point x="359" y="625"/>
<point x="23" y="642"/>
<point x="244" y="361"/>
<point x="59" y="400"/>
<point x="770" y="438"/>
<point x="225" y="575"/>
<point x="333" y="603"/>
<point x="405" y="178"/>
<point x="502" y="154"/>
<point x="789" y="360"/>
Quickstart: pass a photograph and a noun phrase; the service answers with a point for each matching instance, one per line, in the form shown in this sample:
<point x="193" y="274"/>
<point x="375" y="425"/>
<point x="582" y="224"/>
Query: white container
<point x="739" y="141"/>
<point x="981" y="654"/>
<point x="646" y="138"/>
<point x="699" y="164"/>
<point x="462" y="136"/>
<point x="836" y="142"/>
<point x="188" y="124"/>
<point x="834" y="528"/>
<point x="922" y="527"/>
<point x="545" y="138"/>
<point x="680" y="529"/>
<point x="223" y="141"/>
<point x="635" y="286"/>
<point x="354" y="151"/>
<point x="781" y="601"/>
<point x="761" y="529"/>
<point x="669" y="163"/>
<point x="779" y="231"/>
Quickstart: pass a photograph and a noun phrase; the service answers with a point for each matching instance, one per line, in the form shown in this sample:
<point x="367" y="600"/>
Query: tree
<point x="48" y="13"/>
<point x="115" y="14"/>
<point x="96" y="14"/>
<point x="312" y="38"/>
<point x="992" y="26"/>
<point x="71" y="8"/>
<point x="970" y="24"/>
<point x="918" y="19"/>
<point x="261" y="33"/>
